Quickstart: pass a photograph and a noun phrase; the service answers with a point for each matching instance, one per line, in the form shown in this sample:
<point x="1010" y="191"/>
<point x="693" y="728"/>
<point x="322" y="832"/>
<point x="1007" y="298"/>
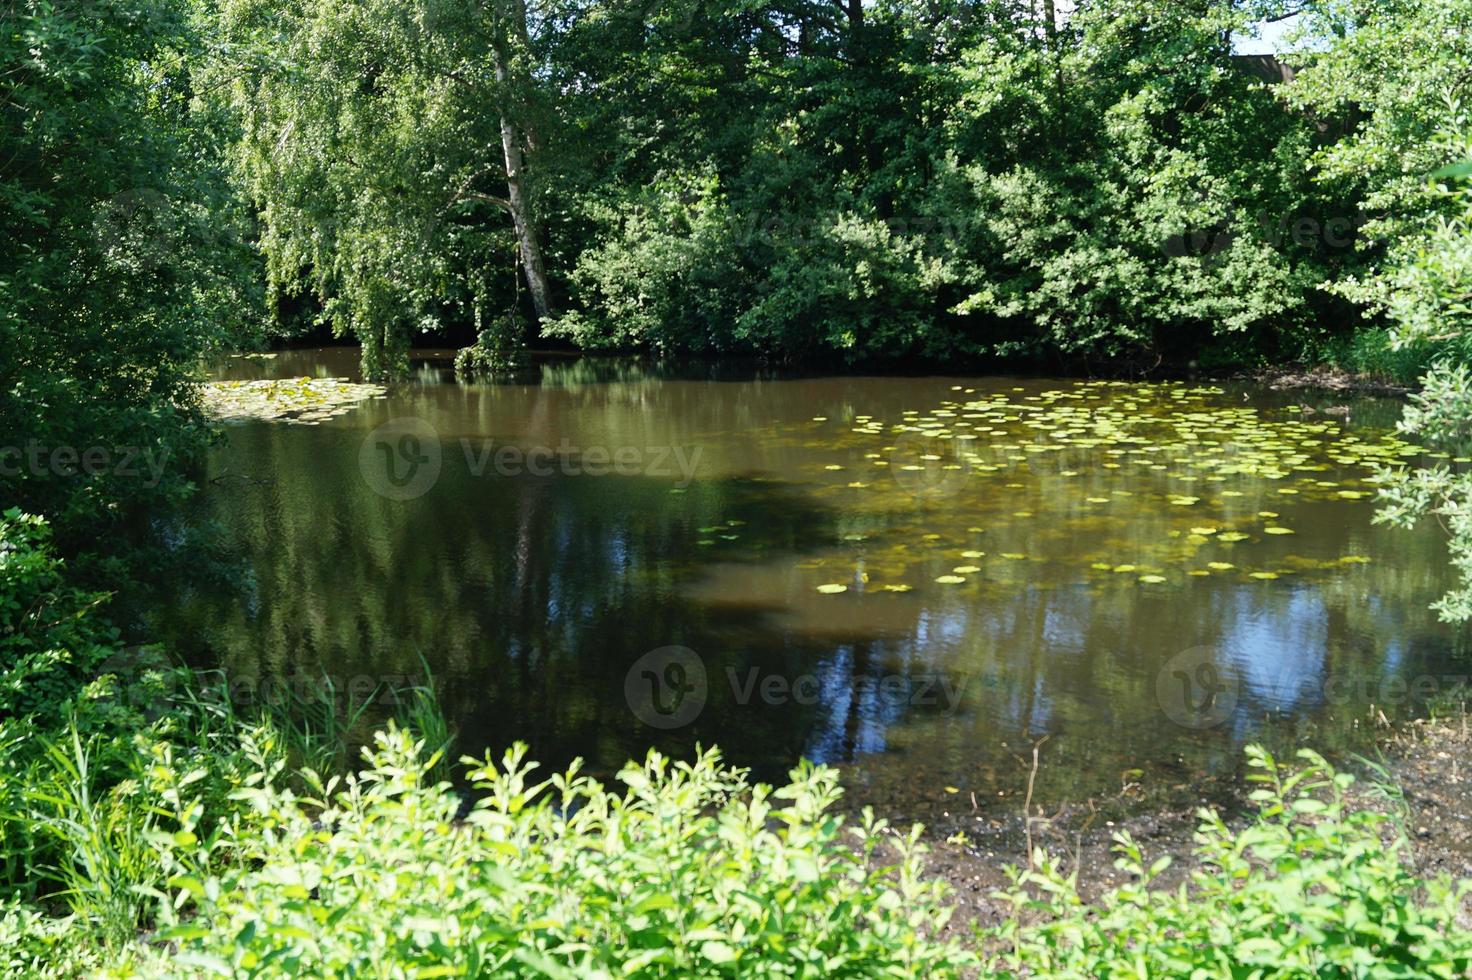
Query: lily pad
<point x="301" y="400"/>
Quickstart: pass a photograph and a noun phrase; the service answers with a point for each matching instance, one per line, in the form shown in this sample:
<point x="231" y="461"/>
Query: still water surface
<point x="911" y="577"/>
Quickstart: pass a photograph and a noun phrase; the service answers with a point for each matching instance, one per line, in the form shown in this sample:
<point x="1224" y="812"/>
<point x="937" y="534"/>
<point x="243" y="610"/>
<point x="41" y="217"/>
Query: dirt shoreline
<point x="1429" y="761"/>
<point x="1323" y="378"/>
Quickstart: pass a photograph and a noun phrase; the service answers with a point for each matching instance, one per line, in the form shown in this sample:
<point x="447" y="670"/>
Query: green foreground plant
<point x="1311" y="888"/>
<point x="685" y="870"/>
<point x="688" y="870"/>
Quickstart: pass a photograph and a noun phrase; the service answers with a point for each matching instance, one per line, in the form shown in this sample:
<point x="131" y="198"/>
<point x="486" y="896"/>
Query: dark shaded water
<point x="908" y="576"/>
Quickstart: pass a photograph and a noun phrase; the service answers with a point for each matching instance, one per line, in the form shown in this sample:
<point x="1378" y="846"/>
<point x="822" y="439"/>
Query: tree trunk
<point x="525" y="222"/>
<point x="1050" y="30"/>
<point x="528" y="236"/>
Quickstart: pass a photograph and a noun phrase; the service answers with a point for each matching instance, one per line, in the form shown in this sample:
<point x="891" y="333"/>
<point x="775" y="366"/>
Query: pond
<point x="913" y="577"/>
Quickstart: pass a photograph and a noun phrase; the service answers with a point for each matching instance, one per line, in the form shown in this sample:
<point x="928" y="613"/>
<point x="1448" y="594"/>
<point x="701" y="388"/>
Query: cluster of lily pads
<point x="727" y="531"/>
<point x="302" y="401"/>
<point x="1149" y="482"/>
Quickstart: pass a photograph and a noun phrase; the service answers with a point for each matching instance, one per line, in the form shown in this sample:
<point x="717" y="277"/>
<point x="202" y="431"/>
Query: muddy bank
<point x="1429" y="763"/>
<point x="1324" y="379"/>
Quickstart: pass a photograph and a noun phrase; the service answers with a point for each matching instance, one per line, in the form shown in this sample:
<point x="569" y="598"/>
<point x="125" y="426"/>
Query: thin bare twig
<point x="1027" y="803"/>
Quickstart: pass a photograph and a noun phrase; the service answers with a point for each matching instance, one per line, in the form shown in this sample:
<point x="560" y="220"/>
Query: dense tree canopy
<point x="126" y="255"/>
<point x="371" y="137"/>
<point x="858" y="181"/>
<point x="1412" y="160"/>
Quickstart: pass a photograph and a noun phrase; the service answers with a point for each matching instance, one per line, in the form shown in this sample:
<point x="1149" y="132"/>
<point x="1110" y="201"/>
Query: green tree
<point x="125" y="259"/>
<point x="385" y="144"/>
<point x="1399" y="70"/>
<point x="902" y="179"/>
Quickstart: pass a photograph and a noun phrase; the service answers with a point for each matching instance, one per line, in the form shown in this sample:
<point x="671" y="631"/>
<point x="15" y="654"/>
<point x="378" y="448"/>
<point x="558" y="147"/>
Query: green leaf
<point x="717" y="952"/>
<point x="1455" y="171"/>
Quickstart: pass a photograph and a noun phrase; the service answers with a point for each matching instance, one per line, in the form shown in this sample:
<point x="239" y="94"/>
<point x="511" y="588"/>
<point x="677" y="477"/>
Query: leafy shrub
<point x="35" y="944"/>
<point x="1432" y="311"/>
<point x="83" y="725"/>
<point x="499" y="348"/>
<point x="665" y="273"/>
<point x="687" y="871"/>
<point x="1439" y="413"/>
<point x="1309" y="889"/>
<point x="52" y="649"/>
<point x="125" y="261"/>
<point x="49" y="646"/>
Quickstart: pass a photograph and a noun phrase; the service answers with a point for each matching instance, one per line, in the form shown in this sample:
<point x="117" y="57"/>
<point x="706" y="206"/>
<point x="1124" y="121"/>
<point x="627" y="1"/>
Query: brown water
<point x="912" y="577"/>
